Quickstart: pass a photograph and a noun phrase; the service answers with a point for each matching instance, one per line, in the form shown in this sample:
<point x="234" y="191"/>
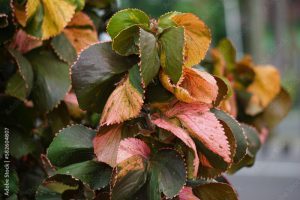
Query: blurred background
<point x="269" y="30"/>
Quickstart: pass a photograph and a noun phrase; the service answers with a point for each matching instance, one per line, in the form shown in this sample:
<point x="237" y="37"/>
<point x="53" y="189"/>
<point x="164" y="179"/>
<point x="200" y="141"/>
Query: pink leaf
<point x="131" y="147"/>
<point x="178" y="107"/>
<point x="24" y="43"/>
<point x="187" y="194"/>
<point x="180" y="133"/>
<point x="206" y="128"/>
<point x="106" y="144"/>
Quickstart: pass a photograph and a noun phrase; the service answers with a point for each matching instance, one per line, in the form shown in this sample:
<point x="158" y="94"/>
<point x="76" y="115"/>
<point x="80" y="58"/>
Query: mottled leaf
<point x="126" y="100"/>
<point x="71" y="145"/>
<point x="131" y="147"/>
<point x="48" y="18"/>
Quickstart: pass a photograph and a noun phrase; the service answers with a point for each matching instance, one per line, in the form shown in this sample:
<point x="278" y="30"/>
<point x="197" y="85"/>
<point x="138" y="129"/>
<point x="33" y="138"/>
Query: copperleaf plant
<point x="149" y="115"/>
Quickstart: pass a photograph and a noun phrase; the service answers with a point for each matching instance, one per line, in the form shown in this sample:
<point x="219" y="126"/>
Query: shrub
<point x="139" y="117"/>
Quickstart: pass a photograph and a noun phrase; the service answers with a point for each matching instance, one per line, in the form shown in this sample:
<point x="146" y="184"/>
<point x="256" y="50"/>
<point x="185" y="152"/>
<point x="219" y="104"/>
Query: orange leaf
<point x="196" y="86"/>
<point x="264" y="88"/>
<point x="81" y="31"/>
<point x="124" y="103"/>
<point x="197" y="37"/>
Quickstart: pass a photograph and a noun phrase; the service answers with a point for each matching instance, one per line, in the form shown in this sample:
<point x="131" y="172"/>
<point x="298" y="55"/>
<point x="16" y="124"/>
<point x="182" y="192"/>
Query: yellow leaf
<point x="81" y="31"/>
<point x="197" y="37"/>
<point x="51" y="15"/>
<point x="20" y="14"/>
<point x="264" y="88"/>
<point x="124" y="103"/>
<point x="196" y="86"/>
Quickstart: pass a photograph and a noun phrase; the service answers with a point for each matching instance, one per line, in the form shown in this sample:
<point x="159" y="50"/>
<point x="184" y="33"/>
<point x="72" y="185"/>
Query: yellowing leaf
<point x="264" y="88"/>
<point x="47" y="18"/>
<point x="124" y="103"/>
<point x="106" y="144"/>
<point x="20" y="13"/>
<point x="179" y="133"/>
<point x="197" y="37"/>
<point x="196" y="86"/>
<point x="81" y="31"/>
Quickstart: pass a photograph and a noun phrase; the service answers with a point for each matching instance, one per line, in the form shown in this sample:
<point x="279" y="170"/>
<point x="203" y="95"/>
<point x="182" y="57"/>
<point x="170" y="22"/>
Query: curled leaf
<point x="196" y="86"/>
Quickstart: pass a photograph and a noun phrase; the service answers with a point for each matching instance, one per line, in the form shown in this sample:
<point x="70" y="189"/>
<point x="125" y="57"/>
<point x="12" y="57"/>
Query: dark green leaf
<point x="52" y="80"/>
<point x="16" y="87"/>
<point x="126" y="42"/>
<point x="168" y="171"/>
<point x="131" y="176"/>
<point x="172" y="49"/>
<point x="64" y="49"/>
<point x="95" y="73"/>
<point x="126" y="18"/>
<point x="72" y="145"/>
<point x="96" y="175"/>
<point x="149" y="63"/>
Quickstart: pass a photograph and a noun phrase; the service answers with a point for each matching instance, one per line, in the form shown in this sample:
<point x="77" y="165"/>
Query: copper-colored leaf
<point x="196" y="86"/>
<point x="124" y="103"/>
<point x="81" y="31"/>
<point x="197" y="37"/>
<point x="24" y="43"/>
<point x="265" y="87"/>
<point x="106" y="144"/>
<point x="187" y="194"/>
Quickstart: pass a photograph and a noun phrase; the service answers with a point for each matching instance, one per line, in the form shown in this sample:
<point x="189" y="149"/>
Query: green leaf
<point x="237" y="132"/>
<point x="168" y="170"/>
<point x="72" y="144"/>
<point x="165" y="21"/>
<point x="228" y="51"/>
<point x="59" y="118"/>
<point x="149" y="63"/>
<point x="9" y="181"/>
<point x="126" y="42"/>
<point x="50" y="72"/>
<point x="95" y="73"/>
<point x="215" y="191"/>
<point x="131" y="176"/>
<point x="20" y="84"/>
<point x="172" y="49"/>
<point x="96" y="175"/>
<point x="63" y="48"/>
<point x="126" y="18"/>
<point x="16" y="87"/>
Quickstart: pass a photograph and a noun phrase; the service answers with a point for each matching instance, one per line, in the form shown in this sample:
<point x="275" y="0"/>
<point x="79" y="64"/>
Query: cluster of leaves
<point x="39" y="40"/>
<point x="152" y="123"/>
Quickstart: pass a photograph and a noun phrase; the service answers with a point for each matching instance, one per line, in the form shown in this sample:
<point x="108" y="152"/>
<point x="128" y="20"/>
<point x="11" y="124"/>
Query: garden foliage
<point x="151" y="114"/>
